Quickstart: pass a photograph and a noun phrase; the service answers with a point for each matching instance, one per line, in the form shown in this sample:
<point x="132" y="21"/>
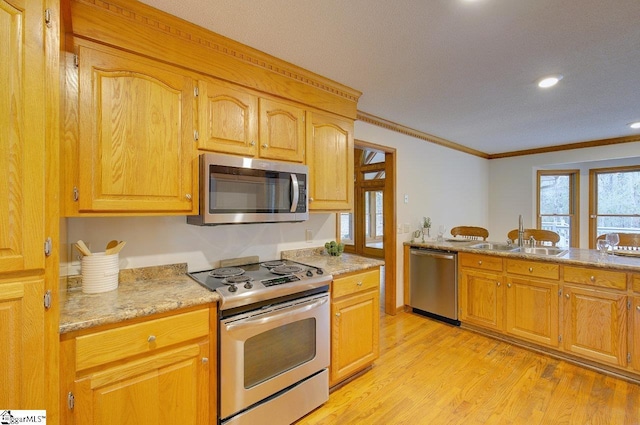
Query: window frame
<point x="574" y="202"/>
<point x="593" y="197"/>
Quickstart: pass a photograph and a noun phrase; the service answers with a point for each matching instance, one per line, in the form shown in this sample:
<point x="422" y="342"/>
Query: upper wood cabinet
<point x="330" y="161"/>
<point x="282" y="131"/>
<point x="22" y="135"/>
<point x="228" y="119"/>
<point x="135" y="145"/>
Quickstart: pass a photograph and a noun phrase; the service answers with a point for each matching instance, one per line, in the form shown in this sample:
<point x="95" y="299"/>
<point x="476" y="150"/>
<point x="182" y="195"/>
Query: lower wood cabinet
<point x="595" y="324"/>
<point x="532" y="310"/>
<point x="153" y="371"/>
<point x="635" y="333"/>
<point x="355" y="321"/>
<point x="482" y="299"/>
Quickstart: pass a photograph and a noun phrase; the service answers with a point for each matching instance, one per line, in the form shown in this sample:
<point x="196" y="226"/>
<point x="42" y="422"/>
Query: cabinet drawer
<point x="534" y="269"/>
<point x="596" y="277"/>
<point x="482" y="262"/>
<point x="355" y="283"/>
<point x="119" y="343"/>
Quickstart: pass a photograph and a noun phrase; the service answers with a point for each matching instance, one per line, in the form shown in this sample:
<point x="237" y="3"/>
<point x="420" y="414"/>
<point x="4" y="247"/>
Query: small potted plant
<point x="334" y="249"/>
<point x="426" y="225"/>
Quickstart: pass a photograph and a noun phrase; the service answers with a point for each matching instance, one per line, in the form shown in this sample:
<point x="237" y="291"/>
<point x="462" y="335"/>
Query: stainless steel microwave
<point x="236" y="190"/>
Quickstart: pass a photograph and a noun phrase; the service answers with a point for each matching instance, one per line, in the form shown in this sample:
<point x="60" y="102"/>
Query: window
<point x="557" y="204"/>
<point x="615" y="201"/>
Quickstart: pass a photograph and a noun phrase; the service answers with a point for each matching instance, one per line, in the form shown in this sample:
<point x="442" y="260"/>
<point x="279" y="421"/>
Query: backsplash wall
<point x="167" y="240"/>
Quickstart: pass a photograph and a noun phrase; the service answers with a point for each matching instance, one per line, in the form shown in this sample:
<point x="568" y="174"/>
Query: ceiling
<point x="461" y="70"/>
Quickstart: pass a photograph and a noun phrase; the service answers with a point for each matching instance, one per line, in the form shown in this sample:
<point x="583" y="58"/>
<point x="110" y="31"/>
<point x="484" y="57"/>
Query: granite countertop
<point x="141" y="292"/>
<point x="146" y="291"/>
<point x="345" y="263"/>
<point x="574" y="256"/>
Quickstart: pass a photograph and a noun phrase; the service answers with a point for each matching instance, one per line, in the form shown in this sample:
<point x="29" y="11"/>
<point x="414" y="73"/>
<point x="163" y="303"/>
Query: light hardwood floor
<point x="432" y="373"/>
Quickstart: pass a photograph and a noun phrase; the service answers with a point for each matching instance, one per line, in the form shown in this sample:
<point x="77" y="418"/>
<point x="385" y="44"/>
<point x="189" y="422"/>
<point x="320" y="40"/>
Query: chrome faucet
<point x="520" y="231"/>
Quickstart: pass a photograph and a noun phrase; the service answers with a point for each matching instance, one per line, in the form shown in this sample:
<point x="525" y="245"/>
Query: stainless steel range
<point x="273" y="339"/>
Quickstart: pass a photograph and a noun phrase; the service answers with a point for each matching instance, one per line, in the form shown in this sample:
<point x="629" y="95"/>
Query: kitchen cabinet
<point x="22" y="369"/>
<point x="22" y="136"/>
<point x="635" y="332"/>
<point x="532" y="310"/>
<point x="481" y="295"/>
<point x="228" y="120"/>
<point x="282" y="131"/>
<point x="135" y="135"/>
<point x="355" y="319"/>
<point x="595" y="324"/>
<point x="329" y="155"/>
<point x="154" y="370"/>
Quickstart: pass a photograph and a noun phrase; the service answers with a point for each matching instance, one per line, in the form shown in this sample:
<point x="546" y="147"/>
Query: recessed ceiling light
<point x="549" y="81"/>
<point x="635" y="124"/>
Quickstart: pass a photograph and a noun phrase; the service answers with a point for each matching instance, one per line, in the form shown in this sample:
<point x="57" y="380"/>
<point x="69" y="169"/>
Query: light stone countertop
<point x="345" y="263"/>
<point x="151" y="290"/>
<point x="146" y="293"/>
<point x="574" y="256"/>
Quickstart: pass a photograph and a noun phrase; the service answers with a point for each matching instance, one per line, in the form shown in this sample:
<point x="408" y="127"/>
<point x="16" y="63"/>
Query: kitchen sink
<point x="494" y="246"/>
<point x="539" y="250"/>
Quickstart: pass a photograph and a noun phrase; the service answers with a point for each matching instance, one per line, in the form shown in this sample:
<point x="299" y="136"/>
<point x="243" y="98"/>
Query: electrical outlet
<point x="308" y="235"/>
<point x="406" y="228"/>
<point x="406" y="199"/>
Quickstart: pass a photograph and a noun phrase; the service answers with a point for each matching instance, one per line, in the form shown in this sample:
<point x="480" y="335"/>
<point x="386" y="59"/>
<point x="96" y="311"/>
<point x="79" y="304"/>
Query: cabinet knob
<point x="265" y="146"/>
<point x="310" y="199"/>
<point x="188" y="196"/>
<point x="152" y="338"/>
<point x="567" y="295"/>
<point x="359" y="283"/>
<point x="479" y="262"/>
<point x="638" y="307"/>
<point x="592" y="278"/>
<point x="205" y="360"/>
<point x="498" y="283"/>
<point x="337" y="314"/>
<point x="508" y="285"/>
<point x="530" y="269"/>
<point x="252" y="143"/>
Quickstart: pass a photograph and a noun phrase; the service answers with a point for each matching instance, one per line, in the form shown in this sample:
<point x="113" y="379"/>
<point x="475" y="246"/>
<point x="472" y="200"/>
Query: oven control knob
<point x="309" y="273"/>
<point x="232" y="288"/>
<point x="248" y="285"/>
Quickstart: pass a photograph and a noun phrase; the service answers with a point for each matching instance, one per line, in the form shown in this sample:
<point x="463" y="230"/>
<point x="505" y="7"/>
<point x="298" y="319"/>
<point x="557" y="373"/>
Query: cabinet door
<point x="22" y="134"/>
<point x="635" y="341"/>
<point x="481" y="299"/>
<point x="136" y="150"/>
<point x="532" y="310"/>
<point x="22" y="335"/>
<point x="281" y="131"/>
<point x="354" y="334"/>
<point x="595" y="324"/>
<point x="228" y="119"/>
<point x="330" y="161"/>
<point x="167" y="388"/>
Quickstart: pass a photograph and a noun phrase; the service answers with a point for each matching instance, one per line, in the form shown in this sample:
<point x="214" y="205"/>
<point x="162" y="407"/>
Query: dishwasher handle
<point x="434" y="254"/>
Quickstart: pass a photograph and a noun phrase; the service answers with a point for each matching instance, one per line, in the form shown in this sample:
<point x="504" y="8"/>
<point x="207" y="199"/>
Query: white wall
<point x="449" y="186"/>
<point x="169" y="240"/>
<point x="512" y="183"/>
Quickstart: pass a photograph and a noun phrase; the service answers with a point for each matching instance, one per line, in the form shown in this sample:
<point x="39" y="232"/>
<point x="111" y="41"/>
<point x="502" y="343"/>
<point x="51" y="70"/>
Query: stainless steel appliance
<point x="433" y="284"/>
<point x="273" y="340"/>
<point x="237" y="190"/>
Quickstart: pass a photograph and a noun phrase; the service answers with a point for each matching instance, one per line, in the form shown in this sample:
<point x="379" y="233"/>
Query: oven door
<point x="265" y="351"/>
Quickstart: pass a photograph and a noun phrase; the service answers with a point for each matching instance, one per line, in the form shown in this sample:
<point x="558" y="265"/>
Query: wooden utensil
<point x="115" y="249"/>
<point x="111" y="244"/>
<point x="82" y="247"/>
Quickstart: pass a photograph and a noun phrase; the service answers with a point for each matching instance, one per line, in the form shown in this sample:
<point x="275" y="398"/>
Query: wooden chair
<point x="470" y="232"/>
<point x="542" y="237"/>
<point x="628" y="241"/>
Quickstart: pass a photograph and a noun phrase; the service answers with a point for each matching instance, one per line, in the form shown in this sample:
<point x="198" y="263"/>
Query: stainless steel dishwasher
<point x="433" y="284"/>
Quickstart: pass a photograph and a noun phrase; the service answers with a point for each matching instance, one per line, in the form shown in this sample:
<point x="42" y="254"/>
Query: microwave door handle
<point x="296" y="192"/>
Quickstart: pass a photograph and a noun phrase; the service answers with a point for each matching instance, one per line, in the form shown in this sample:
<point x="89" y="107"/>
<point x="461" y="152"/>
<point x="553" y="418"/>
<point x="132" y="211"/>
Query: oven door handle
<point x="275" y="316"/>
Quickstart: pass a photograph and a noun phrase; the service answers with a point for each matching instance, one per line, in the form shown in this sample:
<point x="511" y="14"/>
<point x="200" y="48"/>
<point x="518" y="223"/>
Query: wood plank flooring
<point x="432" y="373"/>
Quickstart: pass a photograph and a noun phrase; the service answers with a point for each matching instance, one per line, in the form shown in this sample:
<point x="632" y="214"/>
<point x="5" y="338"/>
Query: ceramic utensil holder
<point x="100" y="272"/>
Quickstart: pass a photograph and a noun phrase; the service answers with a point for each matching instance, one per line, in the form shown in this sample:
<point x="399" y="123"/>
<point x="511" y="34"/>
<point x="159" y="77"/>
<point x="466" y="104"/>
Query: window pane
<point x="617" y="225"/>
<point x="374" y="219"/>
<point x="618" y="193"/>
<point x="346" y="228"/>
<point x="554" y="194"/>
<point x="561" y="225"/>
